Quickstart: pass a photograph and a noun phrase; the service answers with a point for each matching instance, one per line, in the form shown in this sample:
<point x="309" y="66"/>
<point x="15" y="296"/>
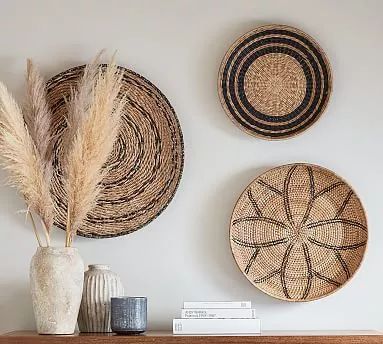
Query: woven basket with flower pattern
<point x="298" y="232"/>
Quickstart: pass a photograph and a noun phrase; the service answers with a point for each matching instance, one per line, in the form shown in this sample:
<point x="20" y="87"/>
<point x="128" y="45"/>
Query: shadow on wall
<point x="211" y="253"/>
<point x="12" y="71"/>
<point x="215" y="251"/>
<point x="16" y="306"/>
<point x="11" y="75"/>
<point x="210" y="62"/>
<point x="12" y="205"/>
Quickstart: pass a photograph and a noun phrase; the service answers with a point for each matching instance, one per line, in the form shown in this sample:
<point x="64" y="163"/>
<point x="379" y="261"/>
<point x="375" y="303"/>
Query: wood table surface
<point x="163" y="337"/>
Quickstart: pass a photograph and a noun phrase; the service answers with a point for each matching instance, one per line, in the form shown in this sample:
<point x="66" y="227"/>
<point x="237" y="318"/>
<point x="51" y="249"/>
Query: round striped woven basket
<point x="146" y="163"/>
<point x="298" y="232"/>
<point x="274" y="82"/>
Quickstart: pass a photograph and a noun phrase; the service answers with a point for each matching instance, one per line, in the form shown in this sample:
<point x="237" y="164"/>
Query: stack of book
<point x="234" y="317"/>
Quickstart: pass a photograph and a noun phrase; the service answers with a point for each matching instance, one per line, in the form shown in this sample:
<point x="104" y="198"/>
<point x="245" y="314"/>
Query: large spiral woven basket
<point x="145" y="165"/>
<point x="298" y="232"/>
<point x="274" y="82"/>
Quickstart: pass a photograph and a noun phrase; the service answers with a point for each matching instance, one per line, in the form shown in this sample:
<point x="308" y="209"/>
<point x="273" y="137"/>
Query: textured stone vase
<point x="100" y="285"/>
<point x="56" y="280"/>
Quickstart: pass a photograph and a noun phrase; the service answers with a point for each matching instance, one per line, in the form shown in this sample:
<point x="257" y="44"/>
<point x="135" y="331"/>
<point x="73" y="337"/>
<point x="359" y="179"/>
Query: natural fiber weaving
<point x="298" y="232"/>
<point x="274" y="82"/>
<point x="146" y="163"/>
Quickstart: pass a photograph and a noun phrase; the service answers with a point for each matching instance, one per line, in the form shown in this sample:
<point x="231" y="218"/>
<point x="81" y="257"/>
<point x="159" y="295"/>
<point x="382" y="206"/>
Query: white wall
<point x="178" y="45"/>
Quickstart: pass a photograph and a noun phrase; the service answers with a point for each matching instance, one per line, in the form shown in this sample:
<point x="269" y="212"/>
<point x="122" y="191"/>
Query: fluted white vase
<point x="100" y="285"/>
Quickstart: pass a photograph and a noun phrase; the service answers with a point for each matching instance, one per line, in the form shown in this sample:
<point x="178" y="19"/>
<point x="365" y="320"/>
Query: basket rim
<point x="49" y="83"/>
<point x="362" y="208"/>
<point x="222" y="66"/>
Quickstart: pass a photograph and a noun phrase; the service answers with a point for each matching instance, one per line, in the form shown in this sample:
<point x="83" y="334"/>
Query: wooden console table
<point x="151" y="337"/>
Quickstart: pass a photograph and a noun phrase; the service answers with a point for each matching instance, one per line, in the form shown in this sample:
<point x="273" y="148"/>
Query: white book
<point x="217" y="304"/>
<point x="218" y="313"/>
<point x="216" y="326"/>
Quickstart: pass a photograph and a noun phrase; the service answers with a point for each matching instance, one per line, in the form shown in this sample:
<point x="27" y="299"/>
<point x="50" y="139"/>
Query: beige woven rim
<point x="145" y="165"/>
<point x="274" y="82"/>
<point x="298" y="232"/>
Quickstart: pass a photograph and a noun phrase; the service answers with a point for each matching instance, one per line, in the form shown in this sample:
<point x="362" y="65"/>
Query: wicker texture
<point x="146" y="163"/>
<point x="274" y="82"/>
<point x="298" y="232"/>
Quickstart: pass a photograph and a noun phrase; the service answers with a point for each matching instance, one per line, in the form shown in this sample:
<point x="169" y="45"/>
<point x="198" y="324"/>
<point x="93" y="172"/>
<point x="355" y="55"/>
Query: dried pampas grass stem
<point x="93" y="126"/>
<point x="37" y="114"/>
<point x="21" y="158"/>
<point x="27" y="141"/>
<point x="35" y="228"/>
<point x="38" y="118"/>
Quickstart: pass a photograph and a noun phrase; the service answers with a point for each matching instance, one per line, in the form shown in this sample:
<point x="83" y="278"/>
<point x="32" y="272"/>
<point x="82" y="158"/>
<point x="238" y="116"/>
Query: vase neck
<point x="98" y="267"/>
<point x="57" y="250"/>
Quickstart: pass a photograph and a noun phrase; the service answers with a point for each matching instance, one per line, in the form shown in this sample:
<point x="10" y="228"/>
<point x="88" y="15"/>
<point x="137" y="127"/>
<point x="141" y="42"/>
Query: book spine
<point x="216" y="326"/>
<point x="219" y="304"/>
<point x="217" y="313"/>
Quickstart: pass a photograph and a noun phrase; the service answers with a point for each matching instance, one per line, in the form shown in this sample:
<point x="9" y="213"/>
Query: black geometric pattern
<point x="266" y="41"/>
<point x="312" y="240"/>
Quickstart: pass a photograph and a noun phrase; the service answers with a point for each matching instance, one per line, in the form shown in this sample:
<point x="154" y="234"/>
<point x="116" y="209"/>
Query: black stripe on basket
<point x="309" y="52"/>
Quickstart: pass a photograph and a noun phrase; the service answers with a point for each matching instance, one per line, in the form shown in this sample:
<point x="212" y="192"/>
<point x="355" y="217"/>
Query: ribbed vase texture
<point x="100" y="285"/>
<point x="56" y="279"/>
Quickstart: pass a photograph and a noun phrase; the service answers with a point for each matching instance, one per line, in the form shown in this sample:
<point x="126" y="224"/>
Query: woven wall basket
<point x="298" y="232"/>
<point x="145" y="165"/>
<point x="274" y="82"/>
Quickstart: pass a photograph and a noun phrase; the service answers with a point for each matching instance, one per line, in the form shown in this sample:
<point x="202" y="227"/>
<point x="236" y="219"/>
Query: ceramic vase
<point x="56" y="281"/>
<point x="100" y="285"/>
